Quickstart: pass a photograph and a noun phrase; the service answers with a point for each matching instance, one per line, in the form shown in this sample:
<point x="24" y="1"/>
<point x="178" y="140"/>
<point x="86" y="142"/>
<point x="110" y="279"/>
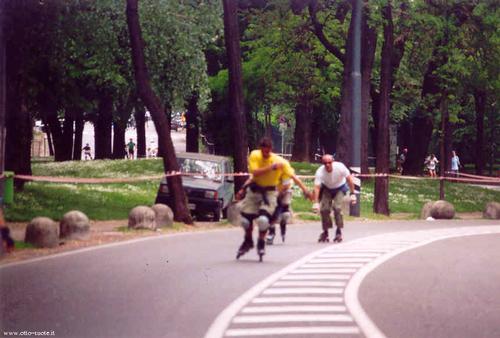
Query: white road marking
<point x="307" y="271"/>
<point x="300" y="291"/>
<point x="307" y="275"/>
<point x="316" y="277"/>
<point x="274" y="331"/>
<point x="340" y="260"/>
<point x="291" y="318"/>
<point x="349" y="255"/>
<point x="294" y="308"/>
<point x="309" y="283"/>
<point x="331" y="265"/>
<point x="274" y="300"/>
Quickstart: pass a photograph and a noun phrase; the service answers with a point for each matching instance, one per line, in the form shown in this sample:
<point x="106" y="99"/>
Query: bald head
<point x="327" y="161"/>
<point x="327" y="158"/>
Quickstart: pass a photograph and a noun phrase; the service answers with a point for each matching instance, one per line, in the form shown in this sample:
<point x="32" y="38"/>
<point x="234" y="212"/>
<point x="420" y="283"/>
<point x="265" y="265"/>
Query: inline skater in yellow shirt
<point x="260" y="200"/>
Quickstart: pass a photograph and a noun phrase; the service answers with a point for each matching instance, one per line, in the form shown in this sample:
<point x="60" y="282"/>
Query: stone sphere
<point x="42" y="232"/>
<point x="492" y="210"/>
<point x="164" y="215"/>
<point x="233" y="213"/>
<point x="74" y="225"/>
<point x="142" y="217"/>
<point x="442" y="210"/>
<point x="426" y="210"/>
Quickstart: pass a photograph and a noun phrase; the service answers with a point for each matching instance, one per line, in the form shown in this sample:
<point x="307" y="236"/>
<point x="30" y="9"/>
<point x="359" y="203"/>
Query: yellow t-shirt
<point x="286" y="177"/>
<point x="271" y="178"/>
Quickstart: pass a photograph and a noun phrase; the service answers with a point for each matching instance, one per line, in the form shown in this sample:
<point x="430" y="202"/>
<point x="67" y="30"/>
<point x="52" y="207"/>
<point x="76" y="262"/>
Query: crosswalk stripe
<point x="284" y="291"/>
<point x="294" y="308"/>
<point x="307" y="271"/>
<point x="316" y="277"/>
<point x="348" y="255"/>
<point x="340" y="260"/>
<point x="277" y="300"/>
<point x="331" y="265"/>
<point x="274" y="331"/>
<point x="309" y="283"/>
<point x="291" y="318"/>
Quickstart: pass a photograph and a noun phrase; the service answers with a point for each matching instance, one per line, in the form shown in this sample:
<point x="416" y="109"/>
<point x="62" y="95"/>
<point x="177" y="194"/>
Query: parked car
<point x="175" y="124"/>
<point x="209" y="193"/>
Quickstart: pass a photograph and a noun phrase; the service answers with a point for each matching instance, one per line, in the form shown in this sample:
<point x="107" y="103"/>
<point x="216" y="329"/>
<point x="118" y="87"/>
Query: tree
<point x="152" y="102"/>
<point x="236" y="103"/>
<point x="381" y="200"/>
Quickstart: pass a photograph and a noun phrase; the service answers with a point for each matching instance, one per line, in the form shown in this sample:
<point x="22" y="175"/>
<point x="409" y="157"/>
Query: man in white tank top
<point x="332" y="181"/>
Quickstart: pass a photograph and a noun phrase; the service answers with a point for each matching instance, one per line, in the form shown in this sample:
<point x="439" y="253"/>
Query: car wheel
<point x="217" y="214"/>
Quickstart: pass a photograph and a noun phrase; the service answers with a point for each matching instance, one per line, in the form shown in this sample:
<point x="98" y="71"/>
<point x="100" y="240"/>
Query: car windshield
<point x="206" y="169"/>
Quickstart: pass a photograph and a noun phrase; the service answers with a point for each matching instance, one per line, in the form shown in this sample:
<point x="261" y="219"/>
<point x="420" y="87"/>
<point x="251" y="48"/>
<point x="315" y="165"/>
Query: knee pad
<point x="263" y="223"/>
<point x="286" y="216"/>
<point x="245" y="223"/>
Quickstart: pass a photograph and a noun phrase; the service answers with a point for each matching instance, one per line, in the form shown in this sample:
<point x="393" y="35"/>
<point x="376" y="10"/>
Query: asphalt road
<point x="177" y="285"/>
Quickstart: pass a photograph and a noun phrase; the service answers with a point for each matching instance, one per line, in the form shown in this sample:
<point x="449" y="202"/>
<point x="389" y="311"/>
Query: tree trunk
<point x="19" y="135"/>
<point x="119" y="140"/>
<point x="102" y="128"/>
<point x="55" y="130"/>
<point x="302" y="133"/>
<point x="67" y="136"/>
<point x="396" y="57"/>
<point x="236" y="104"/>
<point x="49" y="141"/>
<point x="79" y="125"/>
<point x="140" y="126"/>
<point x="480" y="104"/>
<point x="192" y="124"/>
<point x="344" y="150"/>
<point x="445" y="146"/>
<point x="152" y="102"/>
<point x="381" y="200"/>
<point x="422" y="122"/>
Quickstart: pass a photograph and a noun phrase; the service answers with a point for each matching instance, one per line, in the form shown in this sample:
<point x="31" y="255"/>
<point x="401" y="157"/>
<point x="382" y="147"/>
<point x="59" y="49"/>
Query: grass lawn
<point x="114" y="201"/>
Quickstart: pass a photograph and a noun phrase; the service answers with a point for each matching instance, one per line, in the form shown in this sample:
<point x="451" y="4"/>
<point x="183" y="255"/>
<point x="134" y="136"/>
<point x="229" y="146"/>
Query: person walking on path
<point x="260" y="199"/>
<point x="331" y="182"/>
<point x="401" y="160"/>
<point x="455" y="163"/>
<point x="131" y="148"/>
<point x="87" y="152"/>
<point x="431" y="163"/>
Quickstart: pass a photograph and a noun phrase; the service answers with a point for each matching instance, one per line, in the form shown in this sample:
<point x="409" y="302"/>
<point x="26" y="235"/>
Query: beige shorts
<point x="253" y="203"/>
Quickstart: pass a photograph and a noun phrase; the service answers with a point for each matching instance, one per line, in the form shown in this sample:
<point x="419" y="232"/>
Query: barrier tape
<point x="472" y="176"/>
<point x="75" y="180"/>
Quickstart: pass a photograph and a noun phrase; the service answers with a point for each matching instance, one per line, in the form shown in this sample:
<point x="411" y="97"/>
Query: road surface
<point x="398" y="279"/>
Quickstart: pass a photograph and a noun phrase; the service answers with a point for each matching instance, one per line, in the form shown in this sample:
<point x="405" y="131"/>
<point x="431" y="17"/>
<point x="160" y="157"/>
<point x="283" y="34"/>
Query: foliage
<point x="114" y="201"/>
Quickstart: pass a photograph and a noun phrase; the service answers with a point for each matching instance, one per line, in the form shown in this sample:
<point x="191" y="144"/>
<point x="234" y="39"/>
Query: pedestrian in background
<point x="431" y="163"/>
<point x="131" y="149"/>
<point x="455" y="163"/>
<point x="401" y="160"/>
<point x="87" y="152"/>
